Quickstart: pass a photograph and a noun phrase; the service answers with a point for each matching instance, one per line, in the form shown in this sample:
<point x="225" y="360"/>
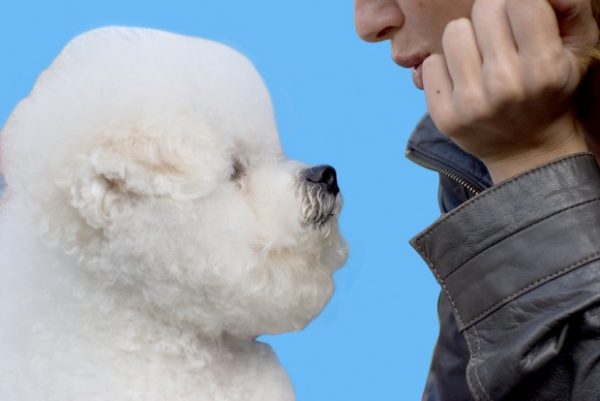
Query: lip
<point x="410" y="61"/>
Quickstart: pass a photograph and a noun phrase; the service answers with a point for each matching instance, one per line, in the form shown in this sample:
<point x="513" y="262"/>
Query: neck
<point x="587" y="103"/>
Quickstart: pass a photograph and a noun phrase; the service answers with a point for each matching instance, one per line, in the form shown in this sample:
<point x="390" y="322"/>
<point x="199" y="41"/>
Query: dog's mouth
<point x="319" y="194"/>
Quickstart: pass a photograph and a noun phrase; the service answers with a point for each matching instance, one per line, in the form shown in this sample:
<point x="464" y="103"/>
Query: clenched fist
<point x="503" y="87"/>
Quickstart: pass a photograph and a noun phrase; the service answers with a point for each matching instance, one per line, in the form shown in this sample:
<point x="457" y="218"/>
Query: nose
<point x="377" y="20"/>
<point x="324" y="175"/>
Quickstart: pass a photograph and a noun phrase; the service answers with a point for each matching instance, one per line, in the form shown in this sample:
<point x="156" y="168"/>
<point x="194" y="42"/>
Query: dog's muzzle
<point x="319" y="194"/>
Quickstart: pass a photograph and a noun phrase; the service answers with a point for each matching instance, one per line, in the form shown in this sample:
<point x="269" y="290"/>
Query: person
<point x="513" y="86"/>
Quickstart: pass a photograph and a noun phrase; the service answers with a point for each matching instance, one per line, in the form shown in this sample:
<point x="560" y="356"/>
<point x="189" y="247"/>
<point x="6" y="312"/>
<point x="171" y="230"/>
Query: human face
<point x="414" y="27"/>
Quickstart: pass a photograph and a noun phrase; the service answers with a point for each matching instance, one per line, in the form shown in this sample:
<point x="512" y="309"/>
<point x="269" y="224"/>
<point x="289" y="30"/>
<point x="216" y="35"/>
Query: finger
<point x="577" y="26"/>
<point x="534" y="26"/>
<point x="438" y="91"/>
<point x="462" y="54"/>
<point x="493" y="31"/>
<point x="501" y="66"/>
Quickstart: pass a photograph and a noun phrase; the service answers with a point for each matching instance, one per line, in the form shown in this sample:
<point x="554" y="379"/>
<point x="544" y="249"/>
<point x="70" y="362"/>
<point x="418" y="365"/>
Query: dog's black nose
<point x="323" y="175"/>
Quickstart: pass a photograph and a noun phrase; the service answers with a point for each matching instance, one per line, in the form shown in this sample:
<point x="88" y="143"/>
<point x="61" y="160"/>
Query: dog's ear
<point x="125" y="169"/>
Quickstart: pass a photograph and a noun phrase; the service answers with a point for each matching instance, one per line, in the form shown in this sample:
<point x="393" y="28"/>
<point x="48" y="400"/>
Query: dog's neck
<point x="127" y="326"/>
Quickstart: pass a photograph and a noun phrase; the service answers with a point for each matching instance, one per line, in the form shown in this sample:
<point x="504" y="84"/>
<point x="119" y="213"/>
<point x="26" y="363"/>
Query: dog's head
<point x="153" y="160"/>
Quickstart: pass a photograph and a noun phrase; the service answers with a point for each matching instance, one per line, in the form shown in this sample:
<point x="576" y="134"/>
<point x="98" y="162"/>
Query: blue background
<point x="338" y="101"/>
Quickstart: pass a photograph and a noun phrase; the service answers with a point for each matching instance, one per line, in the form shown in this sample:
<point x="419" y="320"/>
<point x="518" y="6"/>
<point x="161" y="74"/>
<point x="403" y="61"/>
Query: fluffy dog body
<point x="153" y="228"/>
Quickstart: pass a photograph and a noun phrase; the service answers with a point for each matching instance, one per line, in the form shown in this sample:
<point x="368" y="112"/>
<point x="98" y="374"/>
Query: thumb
<point x="578" y="27"/>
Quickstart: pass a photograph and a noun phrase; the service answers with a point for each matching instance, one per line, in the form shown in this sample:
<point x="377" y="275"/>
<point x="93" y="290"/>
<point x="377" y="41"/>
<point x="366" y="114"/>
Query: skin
<point x="413" y="27"/>
<point x="499" y="75"/>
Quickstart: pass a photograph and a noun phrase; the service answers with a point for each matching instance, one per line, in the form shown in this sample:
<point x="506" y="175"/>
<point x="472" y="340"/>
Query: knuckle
<point x="551" y="55"/>
<point x="469" y="97"/>
<point x="555" y="80"/>
<point x="503" y="85"/>
<point x="506" y="95"/>
<point x="548" y="73"/>
<point x="500" y="73"/>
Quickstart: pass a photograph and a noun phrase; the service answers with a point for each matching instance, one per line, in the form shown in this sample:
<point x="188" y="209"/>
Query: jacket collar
<point x="431" y="149"/>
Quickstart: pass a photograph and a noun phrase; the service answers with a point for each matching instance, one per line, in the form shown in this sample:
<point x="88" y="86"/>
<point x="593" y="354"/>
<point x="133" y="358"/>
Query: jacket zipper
<point x="430" y="165"/>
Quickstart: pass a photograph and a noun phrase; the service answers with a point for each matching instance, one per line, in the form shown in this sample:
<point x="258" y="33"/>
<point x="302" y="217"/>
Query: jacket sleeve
<point x="520" y="266"/>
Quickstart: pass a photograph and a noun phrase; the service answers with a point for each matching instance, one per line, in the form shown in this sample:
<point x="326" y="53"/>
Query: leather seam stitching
<point x="461" y="264"/>
<point x="485" y="394"/>
<point x="442" y="283"/>
<point x="484" y="195"/>
<point x="532" y="285"/>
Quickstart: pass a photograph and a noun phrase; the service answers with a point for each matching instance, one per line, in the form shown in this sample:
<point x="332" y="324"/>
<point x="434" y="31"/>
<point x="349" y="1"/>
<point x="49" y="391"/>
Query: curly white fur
<point x="152" y="228"/>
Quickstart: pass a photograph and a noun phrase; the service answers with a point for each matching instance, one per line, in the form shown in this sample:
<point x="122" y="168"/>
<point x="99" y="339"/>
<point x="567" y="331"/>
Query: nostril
<point x="384" y="33"/>
<point x="323" y="175"/>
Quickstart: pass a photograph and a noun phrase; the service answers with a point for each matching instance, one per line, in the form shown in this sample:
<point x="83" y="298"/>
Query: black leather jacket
<point x="519" y="267"/>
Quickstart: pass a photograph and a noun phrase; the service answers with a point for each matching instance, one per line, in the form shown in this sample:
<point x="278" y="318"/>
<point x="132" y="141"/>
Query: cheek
<point x="428" y="18"/>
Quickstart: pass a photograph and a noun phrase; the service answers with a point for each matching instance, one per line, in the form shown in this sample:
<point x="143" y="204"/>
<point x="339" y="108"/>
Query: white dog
<point x="152" y="228"/>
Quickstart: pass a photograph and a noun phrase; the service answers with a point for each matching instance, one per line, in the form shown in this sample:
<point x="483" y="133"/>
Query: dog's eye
<point x="238" y="170"/>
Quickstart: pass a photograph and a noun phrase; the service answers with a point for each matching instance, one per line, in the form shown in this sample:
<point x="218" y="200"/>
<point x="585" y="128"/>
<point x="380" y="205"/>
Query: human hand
<point x="503" y="89"/>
